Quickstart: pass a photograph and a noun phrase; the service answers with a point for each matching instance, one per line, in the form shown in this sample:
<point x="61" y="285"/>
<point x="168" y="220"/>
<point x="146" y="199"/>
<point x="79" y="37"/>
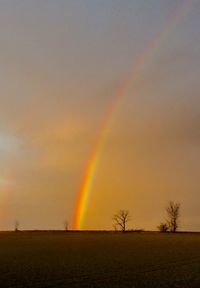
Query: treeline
<point x="121" y="219"/>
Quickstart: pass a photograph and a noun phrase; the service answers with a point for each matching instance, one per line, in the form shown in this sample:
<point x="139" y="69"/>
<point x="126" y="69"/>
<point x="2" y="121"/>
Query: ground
<point x="65" y="259"/>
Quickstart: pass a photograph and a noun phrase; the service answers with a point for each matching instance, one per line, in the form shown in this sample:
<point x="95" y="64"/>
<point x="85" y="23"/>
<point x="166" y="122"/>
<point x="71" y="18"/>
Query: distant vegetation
<point x="16" y="226"/>
<point x="171" y="224"/>
<point x="163" y="227"/>
<point x="172" y="221"/>
<point x="121" y="219"/>
<point x="66" y="225"/>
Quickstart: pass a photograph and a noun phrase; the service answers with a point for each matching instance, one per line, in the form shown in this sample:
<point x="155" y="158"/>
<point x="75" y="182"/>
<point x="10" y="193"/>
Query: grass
<point x="56" y="259"/>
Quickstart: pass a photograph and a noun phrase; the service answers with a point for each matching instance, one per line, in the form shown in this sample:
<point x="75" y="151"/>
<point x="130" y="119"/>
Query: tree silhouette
<point x="120" y="219"/>
<point x="173" y="212"/>
<point x="66" y="225"/>
<point x="16" y="226"/>
<point x="163" y="227"/>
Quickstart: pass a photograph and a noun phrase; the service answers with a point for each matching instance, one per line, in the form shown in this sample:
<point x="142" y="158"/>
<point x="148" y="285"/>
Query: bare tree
<point x="120" y="220"/>
<point x="16" y="226"/>
<point x="66" y="225"/>
<point x="173" y="213"/>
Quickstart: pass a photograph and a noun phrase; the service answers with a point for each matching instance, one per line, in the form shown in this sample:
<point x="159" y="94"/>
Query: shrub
<point x="163" y="227"/>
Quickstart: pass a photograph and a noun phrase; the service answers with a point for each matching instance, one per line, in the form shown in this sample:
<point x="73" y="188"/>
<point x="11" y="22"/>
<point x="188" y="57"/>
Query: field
<point x="58" y="259"/>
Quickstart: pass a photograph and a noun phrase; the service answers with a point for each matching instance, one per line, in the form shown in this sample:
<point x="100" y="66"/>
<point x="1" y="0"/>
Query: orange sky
<point x="61" y="64"/>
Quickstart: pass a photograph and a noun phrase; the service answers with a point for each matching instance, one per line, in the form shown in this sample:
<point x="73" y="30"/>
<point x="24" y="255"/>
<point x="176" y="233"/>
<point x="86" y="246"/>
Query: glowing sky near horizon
<point x="61" y="64"/>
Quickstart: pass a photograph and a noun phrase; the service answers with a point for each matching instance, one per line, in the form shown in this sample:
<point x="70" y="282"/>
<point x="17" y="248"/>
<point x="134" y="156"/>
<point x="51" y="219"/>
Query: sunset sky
<point x="61" y="65"/>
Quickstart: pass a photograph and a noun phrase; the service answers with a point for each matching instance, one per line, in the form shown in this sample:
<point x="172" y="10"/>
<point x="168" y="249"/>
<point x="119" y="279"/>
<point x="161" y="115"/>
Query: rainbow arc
<point x="92" y="164"/>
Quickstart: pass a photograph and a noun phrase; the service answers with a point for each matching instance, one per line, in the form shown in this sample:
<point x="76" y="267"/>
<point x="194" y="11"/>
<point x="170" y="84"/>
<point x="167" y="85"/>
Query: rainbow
<point x="91" y="167"/>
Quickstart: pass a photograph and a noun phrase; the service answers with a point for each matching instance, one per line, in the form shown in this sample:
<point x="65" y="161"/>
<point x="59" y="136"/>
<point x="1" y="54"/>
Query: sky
<point x="61" y="65"/>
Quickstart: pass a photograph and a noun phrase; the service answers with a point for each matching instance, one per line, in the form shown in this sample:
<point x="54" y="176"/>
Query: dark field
<point x="56" y="259"/>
